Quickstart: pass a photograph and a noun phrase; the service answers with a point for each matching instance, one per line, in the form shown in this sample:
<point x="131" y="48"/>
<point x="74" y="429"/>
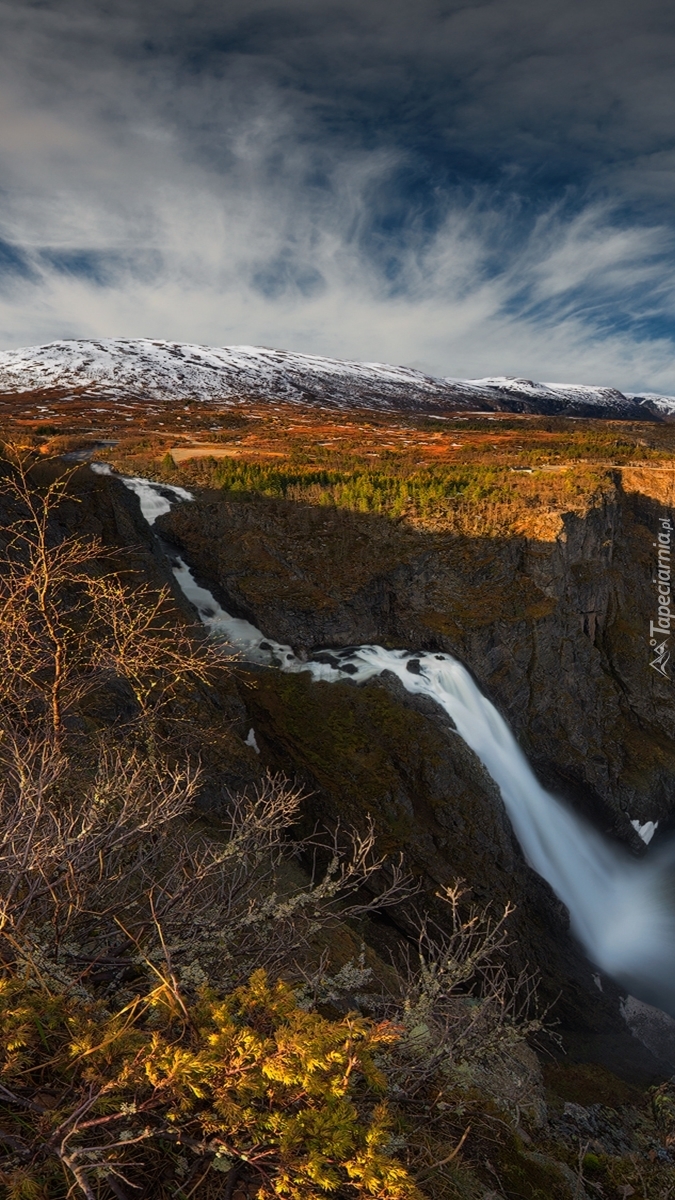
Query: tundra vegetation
<point x="487" y="476"/>
<point x="192" y="1007"/>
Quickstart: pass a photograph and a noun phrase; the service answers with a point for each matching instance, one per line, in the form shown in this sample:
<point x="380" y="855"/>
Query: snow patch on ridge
<point x="664" y="405"/>
<point x="575" y="393"/>
<point x="169" y="370"/>
<point x="156" y="371"/>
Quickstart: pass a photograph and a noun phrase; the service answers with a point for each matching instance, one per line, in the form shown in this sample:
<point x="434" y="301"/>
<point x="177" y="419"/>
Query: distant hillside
<point x="140" y="369"/>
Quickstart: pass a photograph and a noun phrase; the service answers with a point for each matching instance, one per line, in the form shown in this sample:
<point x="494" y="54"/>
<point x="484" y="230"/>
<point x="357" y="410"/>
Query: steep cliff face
<point x="375" y="749"/>
<point x="555" y="631"/>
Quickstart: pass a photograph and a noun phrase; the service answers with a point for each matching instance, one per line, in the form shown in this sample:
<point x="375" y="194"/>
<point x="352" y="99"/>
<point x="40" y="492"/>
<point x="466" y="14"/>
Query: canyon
<point x="521" y="547"/>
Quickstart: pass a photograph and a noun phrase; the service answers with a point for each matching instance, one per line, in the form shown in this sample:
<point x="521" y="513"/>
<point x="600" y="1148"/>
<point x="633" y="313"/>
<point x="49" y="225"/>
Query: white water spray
<point x="621" y="909"/>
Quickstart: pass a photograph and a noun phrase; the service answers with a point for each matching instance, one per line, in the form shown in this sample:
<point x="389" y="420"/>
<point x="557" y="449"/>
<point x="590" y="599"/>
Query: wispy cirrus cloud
<point x="350" y="182"/>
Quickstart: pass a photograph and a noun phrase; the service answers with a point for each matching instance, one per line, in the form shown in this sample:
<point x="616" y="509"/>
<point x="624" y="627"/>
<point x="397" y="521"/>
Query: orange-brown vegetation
<point x="474" y="474"/>
<point x="479" y="476"/>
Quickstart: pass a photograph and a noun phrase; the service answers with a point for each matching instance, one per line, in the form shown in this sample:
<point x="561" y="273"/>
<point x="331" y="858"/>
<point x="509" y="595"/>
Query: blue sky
<point x="470" y="188"/>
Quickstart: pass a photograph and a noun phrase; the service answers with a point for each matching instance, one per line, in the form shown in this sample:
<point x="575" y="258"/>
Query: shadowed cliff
<point x="555" y="632"/>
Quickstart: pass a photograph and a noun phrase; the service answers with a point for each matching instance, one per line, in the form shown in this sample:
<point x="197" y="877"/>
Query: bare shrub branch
<point x="139" y="641"/>
<point x="227" y="909"/>
<point x="71" y="850"/>
<point x="460" y="1004"/>
<point x="43" y="618"/>
<point x="68" y="626"/>
<point x="93" y="832"/>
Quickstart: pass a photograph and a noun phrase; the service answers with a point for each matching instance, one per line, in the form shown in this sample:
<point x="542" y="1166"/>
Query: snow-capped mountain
<point x="659" y="406"/>
<point x="140" y="369"/>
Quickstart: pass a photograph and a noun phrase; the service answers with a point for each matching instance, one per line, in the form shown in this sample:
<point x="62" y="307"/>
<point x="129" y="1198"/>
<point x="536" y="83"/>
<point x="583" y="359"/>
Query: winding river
<point x="622" y="909"/>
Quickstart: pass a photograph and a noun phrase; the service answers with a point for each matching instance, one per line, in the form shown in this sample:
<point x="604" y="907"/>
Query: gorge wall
<point x="555" y="632"/>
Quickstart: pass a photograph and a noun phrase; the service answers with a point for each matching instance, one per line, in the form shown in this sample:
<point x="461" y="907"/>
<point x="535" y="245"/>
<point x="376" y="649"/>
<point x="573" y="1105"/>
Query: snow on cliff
<point x="117" y="368"/>
<point x="660" y="406"/>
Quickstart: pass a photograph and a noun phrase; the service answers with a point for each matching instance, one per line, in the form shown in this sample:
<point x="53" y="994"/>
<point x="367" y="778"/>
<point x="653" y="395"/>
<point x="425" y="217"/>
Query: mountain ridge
<point x="156" y="371"/>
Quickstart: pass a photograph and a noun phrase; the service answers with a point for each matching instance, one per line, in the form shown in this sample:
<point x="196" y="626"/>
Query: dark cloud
<point x="490" y="182"/>
<point x="565" y="93"/>
<point x="470" y="88"/>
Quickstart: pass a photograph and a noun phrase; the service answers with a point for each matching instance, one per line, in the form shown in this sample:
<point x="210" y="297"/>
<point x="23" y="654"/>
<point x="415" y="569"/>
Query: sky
<point x="471" y="187"/>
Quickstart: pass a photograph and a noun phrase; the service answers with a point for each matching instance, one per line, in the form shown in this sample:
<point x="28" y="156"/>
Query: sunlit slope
<point x="158" y="371"/>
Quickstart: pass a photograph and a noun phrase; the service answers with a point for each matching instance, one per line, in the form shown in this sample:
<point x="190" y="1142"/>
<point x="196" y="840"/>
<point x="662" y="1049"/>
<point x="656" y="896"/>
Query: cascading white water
<point x="621" y="909"/>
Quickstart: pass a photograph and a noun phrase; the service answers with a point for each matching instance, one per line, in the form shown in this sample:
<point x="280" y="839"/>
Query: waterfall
<point x="621" y="909"/>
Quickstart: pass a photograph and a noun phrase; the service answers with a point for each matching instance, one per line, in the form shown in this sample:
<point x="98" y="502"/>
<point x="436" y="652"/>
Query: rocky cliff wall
<point x="317" y="576"/>
<point x="555" y="632"/>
